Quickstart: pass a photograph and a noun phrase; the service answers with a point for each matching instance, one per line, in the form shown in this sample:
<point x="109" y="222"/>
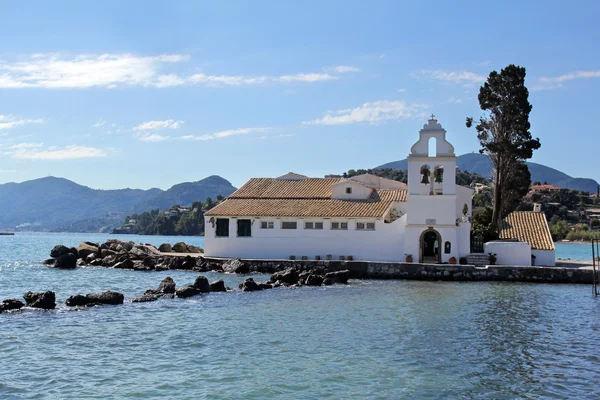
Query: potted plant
<point x="409" y="258"/>
<point x="463" y="260"/>
<point x="452" y="260"/>
<point x="493" y="258"/>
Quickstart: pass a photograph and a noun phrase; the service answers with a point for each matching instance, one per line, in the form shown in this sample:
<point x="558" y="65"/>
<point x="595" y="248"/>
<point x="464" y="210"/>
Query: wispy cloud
<point x="545" y="86"/>
<point x="223" y="134"/>
<point x="152" y="137"/>
<point x="401" y="90"/>
<point x="450" y="76"/>
<point x="35" y="151"/>
<point x="158" y="125"/>
<point x="117" y="70"/>
<point x="9" y="121"/>
<point x="98" y="124"/>
<point x="85" y="71"/>
<point x="341" y="69"/>
<point x="8" y="171"/>
<point x="570" y="76"/>
<point x="374" y="112"/>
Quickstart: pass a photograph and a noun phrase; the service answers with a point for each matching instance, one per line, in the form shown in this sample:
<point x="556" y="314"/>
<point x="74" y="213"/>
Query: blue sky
<point x="144" y="94"/>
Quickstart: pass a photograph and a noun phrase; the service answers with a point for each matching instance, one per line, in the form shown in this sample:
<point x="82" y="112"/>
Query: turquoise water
<point x="574" y="251"/>
<point x="369" y="339"/>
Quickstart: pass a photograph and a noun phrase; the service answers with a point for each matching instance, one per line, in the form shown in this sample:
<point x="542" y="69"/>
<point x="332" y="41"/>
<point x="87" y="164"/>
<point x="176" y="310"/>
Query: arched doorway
<point x="430" y="246"/>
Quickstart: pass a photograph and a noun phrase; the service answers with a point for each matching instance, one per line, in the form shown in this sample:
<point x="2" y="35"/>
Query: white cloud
<point x="454" y="100"/>
<point x="8" y="121"/>
<point x="374" y="112"/>
<point x="454" y="77"/>
<point x="307" y="77"/>
<point x="26" y="145"/>
<point x="85" y="71"/>
<point x="222" y="134"/>
<point x="344" y="68"/>
<point x="157" y="125"/>
<point x="152" y="138"/>
<point x="117" y="70"/>
<point x="401" y="90"/>
<point x="8" y="171"/>
<point x="544" y="86"/>
<point x="572" y="75"/>
<point x="33" y="151"/>
<point x="98" y="124"/>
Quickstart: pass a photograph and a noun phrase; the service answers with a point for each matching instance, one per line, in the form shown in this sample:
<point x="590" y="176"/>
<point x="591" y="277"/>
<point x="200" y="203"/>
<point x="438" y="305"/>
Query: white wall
<point x="385" y="243"/>
<point x="379" y="182"/>
<point x="359" y="191"/>
<point x="510" y="253"/>
<point x="546" y="258"/>
<point x="442" y="209"/>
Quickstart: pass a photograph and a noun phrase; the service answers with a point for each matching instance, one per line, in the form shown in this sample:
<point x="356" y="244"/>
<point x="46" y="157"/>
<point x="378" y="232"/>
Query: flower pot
<point x="452" y="260"/>
<point x="409" y="259"/>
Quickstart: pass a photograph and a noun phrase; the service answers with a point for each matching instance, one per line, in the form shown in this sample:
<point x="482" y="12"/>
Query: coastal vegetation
<point x="176" y="220"/>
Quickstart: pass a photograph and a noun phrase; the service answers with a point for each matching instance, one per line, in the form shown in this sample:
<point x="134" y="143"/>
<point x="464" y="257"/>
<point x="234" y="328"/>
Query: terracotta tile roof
<point x="269" y="188"/>
<point x="530" y="227"/>
<point x="263" y="197"/>
<point x="544" y="187"/>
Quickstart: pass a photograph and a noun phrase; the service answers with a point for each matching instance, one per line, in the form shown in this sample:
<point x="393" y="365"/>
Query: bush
<point x="583" y="235"/>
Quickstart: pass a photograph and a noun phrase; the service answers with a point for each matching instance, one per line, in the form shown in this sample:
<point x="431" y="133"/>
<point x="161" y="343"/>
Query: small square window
<point x="371" y="226"/>
<point x="360" y="225"/>
<point x="335" y="225"/>
<point x="308" y="225"/>
<point x="348" y="190"/>
<point x="318" y="225"/>
<point x="344" y="225"/>
<point x="266" y="225"/>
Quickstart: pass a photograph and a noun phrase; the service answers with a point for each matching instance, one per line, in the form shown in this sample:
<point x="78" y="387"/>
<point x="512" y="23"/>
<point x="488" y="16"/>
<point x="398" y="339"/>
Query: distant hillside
<point x="188" y="192"/>
<point x="48" y="203"/>
<point x="481" y="164"/>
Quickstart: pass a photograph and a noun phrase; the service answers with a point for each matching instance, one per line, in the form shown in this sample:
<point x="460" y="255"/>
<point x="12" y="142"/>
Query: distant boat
<point x="6" y="233"/>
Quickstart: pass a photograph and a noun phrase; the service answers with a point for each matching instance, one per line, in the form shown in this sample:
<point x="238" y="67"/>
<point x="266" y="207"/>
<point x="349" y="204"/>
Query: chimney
<point x="537" y="207"/>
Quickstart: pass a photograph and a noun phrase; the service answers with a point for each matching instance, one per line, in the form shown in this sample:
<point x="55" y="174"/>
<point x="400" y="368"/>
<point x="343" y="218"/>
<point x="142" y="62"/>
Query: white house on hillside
<point x="364" y="217"/>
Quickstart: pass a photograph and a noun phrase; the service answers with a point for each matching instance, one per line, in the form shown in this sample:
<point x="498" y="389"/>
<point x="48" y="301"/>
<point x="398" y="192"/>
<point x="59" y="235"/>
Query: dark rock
<point x="250" y="286"/>
<point x="108" y="297"/>
<point x="66" y="261"/>
<point x="125" y="264"/>
<point x="149" y="262"/>
<point x="11" y="304"/>
<point x="165" y="248"/>
<point x="218" y="286"/>
<point x="106" y="253"/>
<point x="265" y="286"/>
<point x="302" y="276"/>
<point x="45" y="300"/>
<point x="168" y="296"/>
<point x="289" y="276"/>
<point x="183" y="263"/>
<point x="167" y="285"/>
<point x="50" y="261"/>
<point x="194" y="249"/>
<point x="201" y="283"/>
<point x="236" y="266"/>
<point x="327" y="281"/>
<point x="180" y="247"/>
<point x="77" y="300"/>
<point x="80" y="262"/>
<point x="90" y="258"/>
<point x="59" y="250"/>
<point x="339" y="276"/>
<point x="85" y="249"/>
<point x="96" y="262"/>
<point x="187" y="291"/>
<point x="145" y="298"/>
<point x="314" y="280"/>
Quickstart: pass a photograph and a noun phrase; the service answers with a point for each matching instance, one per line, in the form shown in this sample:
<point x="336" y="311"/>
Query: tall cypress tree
<point x="503" y="132"/>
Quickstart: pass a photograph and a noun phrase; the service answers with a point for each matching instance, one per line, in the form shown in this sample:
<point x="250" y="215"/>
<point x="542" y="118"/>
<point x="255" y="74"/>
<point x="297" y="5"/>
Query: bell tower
<point x="431" y="198"/>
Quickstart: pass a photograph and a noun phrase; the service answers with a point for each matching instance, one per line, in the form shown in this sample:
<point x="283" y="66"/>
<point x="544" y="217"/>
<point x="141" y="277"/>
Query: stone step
<point x="478" y="259"/>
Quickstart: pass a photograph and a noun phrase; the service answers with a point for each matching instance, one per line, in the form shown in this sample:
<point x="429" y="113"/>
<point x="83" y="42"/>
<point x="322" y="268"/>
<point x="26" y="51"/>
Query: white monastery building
<point x="364" y="217"/>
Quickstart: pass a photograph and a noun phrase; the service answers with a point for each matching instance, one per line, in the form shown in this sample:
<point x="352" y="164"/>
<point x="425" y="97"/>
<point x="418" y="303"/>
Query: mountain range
<point x="481" y="164"/>
<point x="51" y="203"/>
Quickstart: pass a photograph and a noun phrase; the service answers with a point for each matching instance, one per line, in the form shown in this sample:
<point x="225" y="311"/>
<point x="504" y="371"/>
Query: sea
<point x="371" y="339"/>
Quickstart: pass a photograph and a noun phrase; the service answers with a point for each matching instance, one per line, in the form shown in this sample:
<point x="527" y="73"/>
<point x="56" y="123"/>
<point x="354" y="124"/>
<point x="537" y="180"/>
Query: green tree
<point x="504" y="135"/>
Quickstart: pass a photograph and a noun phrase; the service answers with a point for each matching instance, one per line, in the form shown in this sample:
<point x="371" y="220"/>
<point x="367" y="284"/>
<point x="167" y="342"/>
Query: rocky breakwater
<point x="129" y="255"/>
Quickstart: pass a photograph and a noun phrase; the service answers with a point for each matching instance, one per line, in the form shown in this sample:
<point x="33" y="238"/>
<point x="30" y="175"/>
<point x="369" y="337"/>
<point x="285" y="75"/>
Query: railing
<point x="477" y="244"/>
